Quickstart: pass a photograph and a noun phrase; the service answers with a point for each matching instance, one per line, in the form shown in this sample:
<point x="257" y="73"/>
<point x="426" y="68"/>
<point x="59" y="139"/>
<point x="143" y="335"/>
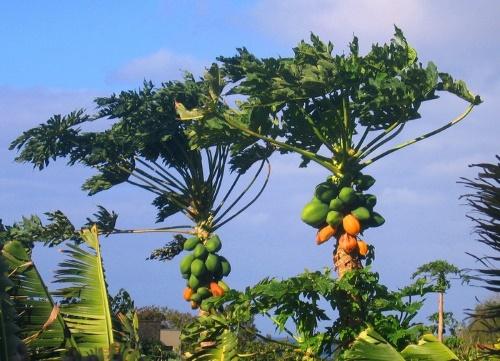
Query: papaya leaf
<point x="224" y="349"/>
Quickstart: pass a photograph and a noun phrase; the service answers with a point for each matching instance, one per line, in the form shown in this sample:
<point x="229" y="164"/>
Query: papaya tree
<point x="338" y="111"/>
<point x="153" y="144"/>
<point x="341" y="112"/>
<point x="437" y="272"/>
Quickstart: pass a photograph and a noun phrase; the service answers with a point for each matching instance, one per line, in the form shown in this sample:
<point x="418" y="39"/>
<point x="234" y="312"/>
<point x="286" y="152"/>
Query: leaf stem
<point x="422" y="137"/>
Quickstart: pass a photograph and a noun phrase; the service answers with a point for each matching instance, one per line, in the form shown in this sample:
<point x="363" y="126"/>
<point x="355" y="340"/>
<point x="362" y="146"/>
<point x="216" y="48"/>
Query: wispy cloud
<point x="161" y="65"/>
<point x="410" y="197"/>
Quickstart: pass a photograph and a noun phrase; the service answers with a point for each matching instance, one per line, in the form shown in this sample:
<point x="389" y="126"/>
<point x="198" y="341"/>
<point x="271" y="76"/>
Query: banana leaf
<point x="9" y="341"/>
<point x="428" y="349"/>
<point x="41" y="326"/>
<point x="85" y="302"/>
<point x="370" y="346"/>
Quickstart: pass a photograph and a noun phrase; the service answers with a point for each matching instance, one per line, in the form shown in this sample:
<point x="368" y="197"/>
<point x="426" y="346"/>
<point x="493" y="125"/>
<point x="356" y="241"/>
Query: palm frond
<point x="85" y="306"/>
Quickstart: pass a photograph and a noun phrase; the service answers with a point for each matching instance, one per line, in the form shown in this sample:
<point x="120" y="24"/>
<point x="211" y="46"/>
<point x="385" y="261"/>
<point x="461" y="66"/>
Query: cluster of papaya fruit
<point x="343" y="212"/>
<point x="203" y="269"/>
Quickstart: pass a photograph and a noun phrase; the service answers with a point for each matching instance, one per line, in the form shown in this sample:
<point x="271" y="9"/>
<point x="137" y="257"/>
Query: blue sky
<point x="57" y="56"/>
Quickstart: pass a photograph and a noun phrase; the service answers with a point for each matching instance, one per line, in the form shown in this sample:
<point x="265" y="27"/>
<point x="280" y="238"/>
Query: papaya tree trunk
<point x="440" y="315"/>
<point x="344" y="261"/>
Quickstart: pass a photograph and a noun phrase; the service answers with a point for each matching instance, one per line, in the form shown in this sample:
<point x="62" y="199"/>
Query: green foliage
<point x="172" y="319"/>
<point x="146" y="145"/>
<point x="11" y="347"/>
<point x="316" y="98"/>
<point x="437" y="271"/>
<point x="485" y="205"/>
<point x="300" y="301"/>
<point x="86" y="311"/>
<point x="42" y="327"/>
<point x="369" y="345"/>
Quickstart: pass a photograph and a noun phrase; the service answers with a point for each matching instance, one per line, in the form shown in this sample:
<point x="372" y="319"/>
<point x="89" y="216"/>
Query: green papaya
<point x="204" y="292"/>
<point x="361" y="213"/>
<point x="365" y="182"/>
<point x="223" y="285"/>
<point x="347" y="195"/>
<point x="336" y="205"/>
<point x="225" y="266"/>
<point x="325" y="192"/>
<point x="314" y="213"/>
<point x="198" y="268"/>
<point x="193" y="282"/>
<point x="186" y="263"/>
<point x="212" y="263"/>
<point x="213" y="244"/>
<point x="377" y="220"/>
<point x="196" y="297"/>
<point x="200" y="251"/>
<point x="190" y="243"/>
<point x="370" y="200"/>
<point x="334" y="218"/>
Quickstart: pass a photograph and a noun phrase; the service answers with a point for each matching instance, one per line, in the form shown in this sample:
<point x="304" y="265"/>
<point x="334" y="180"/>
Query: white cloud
<point x="454" y="167"/>
<point x="410" y="197"/>
<point x="162" y="65"/>
<point x="336" y="20"/>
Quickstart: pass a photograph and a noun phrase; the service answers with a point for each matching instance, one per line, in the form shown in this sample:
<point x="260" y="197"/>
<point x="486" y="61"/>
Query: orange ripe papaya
<point x="362" y="248"/>
<point x="216" y="289"/>
<point x="188" y="292"/>
<point x="324" y="234"/>
<point x="347" y="242"/>
<point x="351" y="225"/>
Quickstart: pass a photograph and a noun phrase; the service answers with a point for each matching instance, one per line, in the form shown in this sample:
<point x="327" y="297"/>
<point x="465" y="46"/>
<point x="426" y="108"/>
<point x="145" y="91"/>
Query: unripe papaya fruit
<point x="361" y="213"/>
<point x="225" y="266"/>
<point x="223" y="285"/>
<point x="325" y="192"/>
<point x="198" y="268"/>
<point x="188" y="292"/>
<point x="347" y="195"/>
<point x="347" y="242"/>
<point x="351" y="225"/>
<point x="200" y="251"/>
<point x="334" y="218"/>
<point x="377" y="220"/>
<point x="314" y="213"/>
<point x="336" y="205"/>
<point x="365" y="182"/>
<point x="213" y="244"/>
<point x="196" y="297"/>
<point x="212" y="263"/>
<point x="190" y="243"/>
<point x="204" y="292"/>
<point x="185" y="265"/>
<point x="193" y="282"/>
<point x="362" y="248"/>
